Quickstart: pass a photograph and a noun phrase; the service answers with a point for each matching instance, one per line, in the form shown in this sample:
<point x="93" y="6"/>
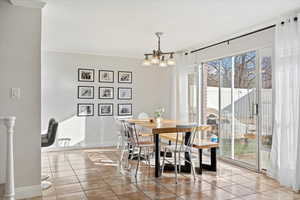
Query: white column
<point x="9" y="192"/>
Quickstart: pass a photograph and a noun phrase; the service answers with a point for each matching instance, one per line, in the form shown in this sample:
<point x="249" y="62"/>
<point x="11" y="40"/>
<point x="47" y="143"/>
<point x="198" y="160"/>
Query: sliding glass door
<point x="245" y="108"/>
<point x="232" y="97"/>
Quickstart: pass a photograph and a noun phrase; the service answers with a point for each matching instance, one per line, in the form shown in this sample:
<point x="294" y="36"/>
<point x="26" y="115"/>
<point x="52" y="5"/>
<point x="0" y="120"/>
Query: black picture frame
<point x="85" y="104"/>
<point x="124" y="88"/>
<point x="78" y="92"/>
<point x="120" y="77"/>
<point x="83" y="69"/>
<point x="111" y="88"/>
<point x="105" y="104"/>
<point x="124" y="104"/>
<point x="108" y="71"/>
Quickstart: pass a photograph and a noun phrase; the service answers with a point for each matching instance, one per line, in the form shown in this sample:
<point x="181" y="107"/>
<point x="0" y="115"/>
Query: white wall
<point x="151" y="90"/>
<point x="20" y="36"/>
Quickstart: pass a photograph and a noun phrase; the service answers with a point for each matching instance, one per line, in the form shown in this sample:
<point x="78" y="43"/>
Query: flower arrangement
<point x="159" y="113"/>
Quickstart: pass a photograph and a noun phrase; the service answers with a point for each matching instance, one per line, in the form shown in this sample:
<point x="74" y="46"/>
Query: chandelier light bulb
<point x="154" y="60"/>
<point x="163" y="63"/>
<point x="146" y="61"/>
<point x="171" y="60"/>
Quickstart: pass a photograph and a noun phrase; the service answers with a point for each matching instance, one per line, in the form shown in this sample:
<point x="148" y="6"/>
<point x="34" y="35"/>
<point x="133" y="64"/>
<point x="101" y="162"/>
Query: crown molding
<point x="29" y="3"/>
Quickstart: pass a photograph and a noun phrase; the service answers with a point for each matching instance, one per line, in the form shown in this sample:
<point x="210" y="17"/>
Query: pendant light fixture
<point x="158" y="57"/>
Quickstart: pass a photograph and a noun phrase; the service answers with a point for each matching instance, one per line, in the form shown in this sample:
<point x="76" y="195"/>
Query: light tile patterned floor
<point x="95" y="174"/>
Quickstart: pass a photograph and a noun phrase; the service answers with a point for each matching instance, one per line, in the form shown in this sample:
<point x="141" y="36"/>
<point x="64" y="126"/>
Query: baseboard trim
<point x="71" y="148"/>
<point x="28" y="191"/>
<point x="54" y="149"/>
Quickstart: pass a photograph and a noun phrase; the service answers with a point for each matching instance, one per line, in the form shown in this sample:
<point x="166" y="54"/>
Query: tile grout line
<point x="52" y="177"/>
<point x="70" y="164"/>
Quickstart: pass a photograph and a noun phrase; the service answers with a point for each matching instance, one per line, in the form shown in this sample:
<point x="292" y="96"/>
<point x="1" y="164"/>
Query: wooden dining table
<point x="163" y="128"/>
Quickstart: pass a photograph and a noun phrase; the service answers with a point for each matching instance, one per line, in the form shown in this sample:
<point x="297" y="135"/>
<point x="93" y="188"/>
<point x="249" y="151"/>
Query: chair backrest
<point x="143" y="116"/>
<point x="51" y="134"/>
<point x="124" y="131"/>
<point x="132" y="133"/>
<point x="181" y="140"/>
<point x="50" y="124"/>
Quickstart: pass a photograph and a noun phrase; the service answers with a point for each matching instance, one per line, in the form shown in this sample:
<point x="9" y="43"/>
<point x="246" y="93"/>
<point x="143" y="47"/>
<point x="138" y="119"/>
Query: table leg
<point x="187" y="165"/>
<point x="213" y="161"/>
<point x="200" y="161"/>
<point x="213" y="157"/>
<point x="157" y="156"/>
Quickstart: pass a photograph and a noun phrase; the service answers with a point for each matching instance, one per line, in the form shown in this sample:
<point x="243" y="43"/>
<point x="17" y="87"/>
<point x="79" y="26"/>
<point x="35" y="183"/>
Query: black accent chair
<point x="47" y="140"/>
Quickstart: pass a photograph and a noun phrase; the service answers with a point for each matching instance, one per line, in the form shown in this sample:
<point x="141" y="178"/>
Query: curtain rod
<point x="234" y="38"/>
<point x="237" y="37"/>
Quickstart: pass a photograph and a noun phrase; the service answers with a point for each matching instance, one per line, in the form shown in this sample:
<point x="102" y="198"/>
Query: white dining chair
<point x="119" y="128"/>
<point x="145" y="146"/>
<point x="179" y="149"/>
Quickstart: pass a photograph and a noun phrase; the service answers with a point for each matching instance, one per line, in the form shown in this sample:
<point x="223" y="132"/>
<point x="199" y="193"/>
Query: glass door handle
<point x="254" y="109"/>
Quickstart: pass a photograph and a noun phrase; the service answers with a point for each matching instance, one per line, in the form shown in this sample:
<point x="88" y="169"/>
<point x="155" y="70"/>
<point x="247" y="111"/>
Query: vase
<point x="158" y="119"/>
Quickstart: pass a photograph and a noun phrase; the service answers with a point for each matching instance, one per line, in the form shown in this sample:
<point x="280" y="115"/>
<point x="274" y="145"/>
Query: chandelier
<point x="162" y="59"/>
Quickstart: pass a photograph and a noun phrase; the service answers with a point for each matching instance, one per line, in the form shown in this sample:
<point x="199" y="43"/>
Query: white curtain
<point x="285" y="153"/>
<point x="185" y="64"/>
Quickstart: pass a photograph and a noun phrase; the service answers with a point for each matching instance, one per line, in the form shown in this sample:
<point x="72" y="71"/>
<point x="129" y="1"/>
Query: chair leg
<point x="175" y="166"/>
<point x="119" y="141"/>
<point x="163" y="163"/>
<point x="193" y="170"/>
<point x="192" y="166"/>
<point x="122" y="154"/>
<point x="179" y="162"/>
<point x="127" y="159"/>
<point x="131" y="152"/>
<point x="138" y="164"/>
<point x="148" y="157"/>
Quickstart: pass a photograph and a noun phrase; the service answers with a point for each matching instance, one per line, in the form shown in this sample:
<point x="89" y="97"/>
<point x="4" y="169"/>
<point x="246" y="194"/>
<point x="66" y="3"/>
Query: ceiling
<point x="126" y="28"/>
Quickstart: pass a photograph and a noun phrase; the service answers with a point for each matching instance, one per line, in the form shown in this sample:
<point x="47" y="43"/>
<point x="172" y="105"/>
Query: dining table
<point x="163" y="128"/>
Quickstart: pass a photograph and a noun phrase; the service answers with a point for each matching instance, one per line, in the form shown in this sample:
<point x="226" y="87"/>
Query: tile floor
<point x="95" y="174"/>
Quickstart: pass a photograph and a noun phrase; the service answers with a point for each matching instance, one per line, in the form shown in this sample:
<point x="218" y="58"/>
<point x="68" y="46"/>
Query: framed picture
<point x="124" y="93"/>
<point x="106" y="76"/>
<point x="85" y="92"/>
<point x="105" y="109"/>
<point x="125" y="109"/>
<point x="85" y="109"/>
<point x="106" y="92"/>
<point x="86" y="75"/>
<point x="125" y="77"/>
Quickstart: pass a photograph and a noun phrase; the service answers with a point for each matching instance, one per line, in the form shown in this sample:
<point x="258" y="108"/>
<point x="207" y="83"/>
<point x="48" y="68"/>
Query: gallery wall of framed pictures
<point x="100" y="94"/>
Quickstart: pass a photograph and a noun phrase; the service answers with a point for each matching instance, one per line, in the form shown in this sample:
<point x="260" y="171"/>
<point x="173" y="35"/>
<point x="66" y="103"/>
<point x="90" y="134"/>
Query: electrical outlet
<point x="15" y="93"/>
